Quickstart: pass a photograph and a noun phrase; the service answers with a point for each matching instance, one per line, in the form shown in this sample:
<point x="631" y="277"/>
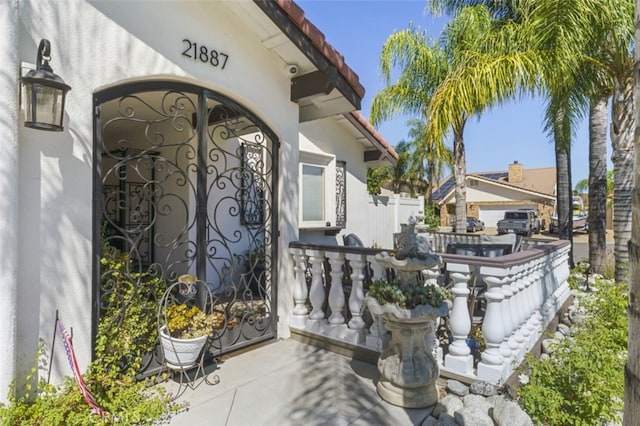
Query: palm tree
<point x="565" y="36"/>
<point x="597" y="183"/>
<point x="632" y="369"/>
<point x="431" y="156"/>
<point x="426" y="65"/>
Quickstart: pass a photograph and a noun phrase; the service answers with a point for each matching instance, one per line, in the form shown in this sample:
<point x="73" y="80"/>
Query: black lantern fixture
<point x="44" y="93"/>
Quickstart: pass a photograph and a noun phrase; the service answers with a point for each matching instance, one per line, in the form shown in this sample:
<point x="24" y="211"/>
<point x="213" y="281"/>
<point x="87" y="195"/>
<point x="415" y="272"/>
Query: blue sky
<point x="359" y="28"/>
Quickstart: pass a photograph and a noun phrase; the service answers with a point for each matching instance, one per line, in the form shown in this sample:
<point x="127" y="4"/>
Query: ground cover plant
<point x="126" y="334"/>
<point x="582" y="382"/>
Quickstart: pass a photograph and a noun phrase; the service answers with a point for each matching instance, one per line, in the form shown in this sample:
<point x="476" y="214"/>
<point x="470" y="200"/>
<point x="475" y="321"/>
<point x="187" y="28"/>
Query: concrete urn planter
<point x="408" y="369"/>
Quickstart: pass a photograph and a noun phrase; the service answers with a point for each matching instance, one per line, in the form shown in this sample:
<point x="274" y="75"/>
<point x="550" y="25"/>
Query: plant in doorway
<point x="184" y="327"/>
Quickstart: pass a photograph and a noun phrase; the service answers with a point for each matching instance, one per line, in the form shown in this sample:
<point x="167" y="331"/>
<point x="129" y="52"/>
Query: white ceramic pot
<point x="180" y="353"/>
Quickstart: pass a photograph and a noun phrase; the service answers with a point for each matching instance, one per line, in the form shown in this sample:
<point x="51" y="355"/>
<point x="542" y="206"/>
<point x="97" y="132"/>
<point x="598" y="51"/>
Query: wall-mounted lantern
<point x="44" y="93"/>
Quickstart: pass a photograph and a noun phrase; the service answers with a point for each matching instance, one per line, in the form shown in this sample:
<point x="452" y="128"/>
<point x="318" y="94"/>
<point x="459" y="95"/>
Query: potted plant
<point x="184" y="327"/>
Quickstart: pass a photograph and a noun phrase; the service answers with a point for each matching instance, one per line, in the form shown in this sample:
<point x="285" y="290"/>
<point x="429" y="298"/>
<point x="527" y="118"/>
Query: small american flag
<point x="73" y="362"/>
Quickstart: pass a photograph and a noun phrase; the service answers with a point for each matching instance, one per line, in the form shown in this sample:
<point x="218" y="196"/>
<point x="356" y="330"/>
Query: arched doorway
<point x="185" y="182"/>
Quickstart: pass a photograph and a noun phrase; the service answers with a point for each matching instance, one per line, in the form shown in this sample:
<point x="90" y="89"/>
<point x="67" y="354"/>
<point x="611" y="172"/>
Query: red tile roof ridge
<point x="317" y="38"/>
<point x="372" y="130"/>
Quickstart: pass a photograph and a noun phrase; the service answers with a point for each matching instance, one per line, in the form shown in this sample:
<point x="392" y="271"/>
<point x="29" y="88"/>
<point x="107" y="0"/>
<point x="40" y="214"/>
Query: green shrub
<point x="126" y="333"/>
<point x="432" y="218"/>
<point x="582" y="383"/>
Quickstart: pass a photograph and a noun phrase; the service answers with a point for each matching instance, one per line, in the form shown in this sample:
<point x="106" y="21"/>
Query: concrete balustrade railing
<point x="519" y="294"/>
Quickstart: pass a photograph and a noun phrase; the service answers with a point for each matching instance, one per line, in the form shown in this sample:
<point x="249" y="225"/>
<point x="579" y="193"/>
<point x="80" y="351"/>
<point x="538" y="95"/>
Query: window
<point x="313" y="208"/>
<point x="317" y="190"/>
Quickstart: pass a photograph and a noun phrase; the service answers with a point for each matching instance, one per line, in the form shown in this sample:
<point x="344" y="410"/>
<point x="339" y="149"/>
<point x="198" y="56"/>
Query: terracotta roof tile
<point x="296" y="15"/>
<point x="384" y="145"/>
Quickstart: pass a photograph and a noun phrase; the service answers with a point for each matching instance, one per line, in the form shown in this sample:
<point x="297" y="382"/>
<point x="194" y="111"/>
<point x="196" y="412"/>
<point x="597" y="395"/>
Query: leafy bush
<point x="582" y="383"/>
<point x="126" y="333"/>
<point x="432" y="218"/>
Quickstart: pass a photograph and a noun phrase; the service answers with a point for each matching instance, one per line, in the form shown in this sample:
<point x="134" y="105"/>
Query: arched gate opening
<point x="185" y="181"/>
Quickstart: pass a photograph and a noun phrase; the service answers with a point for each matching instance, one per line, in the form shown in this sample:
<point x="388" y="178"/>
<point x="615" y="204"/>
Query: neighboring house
<point x="490" y="194"/>
<point x="194" y="133"/>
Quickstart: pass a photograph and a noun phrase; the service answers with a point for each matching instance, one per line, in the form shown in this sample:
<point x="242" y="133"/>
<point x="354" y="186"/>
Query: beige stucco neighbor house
<point x="195" y="133"/>
<point x="490" y="194"/>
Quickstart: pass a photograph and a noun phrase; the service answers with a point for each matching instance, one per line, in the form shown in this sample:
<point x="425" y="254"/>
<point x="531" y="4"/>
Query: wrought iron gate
<point x="185" y="182"/>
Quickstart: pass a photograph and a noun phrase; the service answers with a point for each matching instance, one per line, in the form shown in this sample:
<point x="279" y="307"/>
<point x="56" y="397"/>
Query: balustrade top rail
<point x="505" y="261"/>
<point x="337" y="249"/>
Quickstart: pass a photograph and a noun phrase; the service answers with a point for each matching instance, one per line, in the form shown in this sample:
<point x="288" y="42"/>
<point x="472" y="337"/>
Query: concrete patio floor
<point x="291" y="383"/>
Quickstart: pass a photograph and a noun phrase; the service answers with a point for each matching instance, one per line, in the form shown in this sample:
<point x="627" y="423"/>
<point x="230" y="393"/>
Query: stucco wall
<point x="95" y="45"/>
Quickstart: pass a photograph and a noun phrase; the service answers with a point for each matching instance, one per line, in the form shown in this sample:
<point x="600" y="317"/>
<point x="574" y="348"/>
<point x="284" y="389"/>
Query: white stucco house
<point x="193" y="133"/>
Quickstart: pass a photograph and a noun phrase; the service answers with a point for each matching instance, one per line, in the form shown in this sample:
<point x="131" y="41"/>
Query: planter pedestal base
<point x="419" y="397"/>
<point x="408" y="370"/>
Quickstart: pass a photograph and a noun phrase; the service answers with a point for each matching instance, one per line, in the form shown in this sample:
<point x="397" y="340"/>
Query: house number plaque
<point x="200" y="52"/>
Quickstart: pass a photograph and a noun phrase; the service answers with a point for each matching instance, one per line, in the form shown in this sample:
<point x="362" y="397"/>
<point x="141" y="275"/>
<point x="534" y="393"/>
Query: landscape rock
<point x="447" y="420"/>
<point x="473" y="416"/>
<point x="448" y="404"/>
<point x="431" y="421"/>
<point x="478" y="402"/>
<point x="457" y="388"/>
<point x="549" y="346"/>
<point x="509" y="413"/>
<point x="564" y="329"/>
<point x="483" y="388"/>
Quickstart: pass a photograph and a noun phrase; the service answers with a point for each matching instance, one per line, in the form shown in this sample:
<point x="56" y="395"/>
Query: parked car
<point x="523" y="222"/>
<point x="474" y="224"/>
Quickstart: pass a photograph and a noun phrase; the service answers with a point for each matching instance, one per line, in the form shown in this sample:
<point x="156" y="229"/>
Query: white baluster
<point x="492" y="367"/>
<point x="459" y="358"/>
<point x="377" y="332"/>
<point x="516" y="339"/>
<point x="528" y="306"/>
<point x="509" y="346"/>
<point x="431" y="278"/>
<point x="378" y="271"/>
<point x="336" y="292"/>
<point x="316" y="292"/>
<point x="300" y="291"/>
<point x="356" y="298"/>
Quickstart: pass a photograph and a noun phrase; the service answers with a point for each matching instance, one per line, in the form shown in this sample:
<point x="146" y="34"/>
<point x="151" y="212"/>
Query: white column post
<point x="9" y="194"/>
<point x="459" y="358"/>
<point x="300" y="291"/>
<point x="431" y="278"/>
<point x="518" y="311"/>
<point x="356" y="298"/>
<point x="509" y="346"/>
<point x="492" y="368"/>
<point x="377" y="332"/>
<point x="336" y="292"/>
<point x="316" y="292"/>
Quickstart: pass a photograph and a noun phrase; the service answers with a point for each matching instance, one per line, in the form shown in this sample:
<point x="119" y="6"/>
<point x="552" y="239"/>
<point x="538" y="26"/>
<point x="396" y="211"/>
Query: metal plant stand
<point x="190" y="361"/>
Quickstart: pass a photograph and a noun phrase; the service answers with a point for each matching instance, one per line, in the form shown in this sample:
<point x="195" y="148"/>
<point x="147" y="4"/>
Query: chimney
<point x="516" y="172"/>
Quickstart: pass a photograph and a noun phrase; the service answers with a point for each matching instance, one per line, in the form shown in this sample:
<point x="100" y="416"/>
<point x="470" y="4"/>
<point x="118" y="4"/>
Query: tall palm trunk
<point x="632" y="369"/>
<point x="459" y="174"/>
<point x="564" y="199"/>
<point x="598" y="118"/>
<point x="622" y="128"/>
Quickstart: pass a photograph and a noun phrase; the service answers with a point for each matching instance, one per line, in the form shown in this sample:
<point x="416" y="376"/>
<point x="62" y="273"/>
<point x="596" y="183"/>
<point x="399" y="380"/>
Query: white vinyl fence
<point x="385" y="214"/>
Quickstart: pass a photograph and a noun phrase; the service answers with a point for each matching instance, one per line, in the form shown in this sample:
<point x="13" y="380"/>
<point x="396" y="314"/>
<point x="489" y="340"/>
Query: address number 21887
<point x="200" y="52"/>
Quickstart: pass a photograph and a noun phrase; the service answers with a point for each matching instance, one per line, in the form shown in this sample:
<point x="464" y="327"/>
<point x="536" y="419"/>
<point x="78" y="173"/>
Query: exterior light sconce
<point x="44" y="93"/>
